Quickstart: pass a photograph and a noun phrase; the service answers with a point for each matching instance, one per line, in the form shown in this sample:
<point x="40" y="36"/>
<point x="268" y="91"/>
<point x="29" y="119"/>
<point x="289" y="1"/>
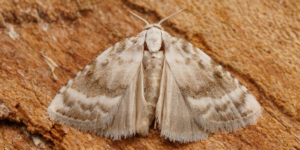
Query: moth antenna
<point x="171" y="16"/>
<point x="139" y="17"/>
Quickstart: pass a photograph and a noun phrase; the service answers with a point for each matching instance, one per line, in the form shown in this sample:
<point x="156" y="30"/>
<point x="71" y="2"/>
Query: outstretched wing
<point x="102" y="97"/>
<point x="216" y="100"/>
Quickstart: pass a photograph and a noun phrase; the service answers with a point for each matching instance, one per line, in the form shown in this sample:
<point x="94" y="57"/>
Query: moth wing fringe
<point x="172" y="136"/>
<point x="229" y="126"/>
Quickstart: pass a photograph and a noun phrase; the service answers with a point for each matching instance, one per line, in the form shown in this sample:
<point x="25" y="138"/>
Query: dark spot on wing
<point x="175" y="40"/>
<point x="185" y="46"/>
<point x="213" y="63"/>
<point x="200" y="64"/>
<point x="85" y="106"/>
<point x="120" y="60"/>
<point x="105" y="63"/>
<point x="221" y="108"/>
<point x="177" y="61"/>
<point x="218" y="74"/>
<point x="195" y="49"/>
<point x="112" y="49"/>
<point x="92" y="65"/>
<point x="220" y="117"/>
<point x="187" y="61"/>
<point x="121" y="46"/>
<point x="247" y="113"/>
<point x="67" y="101"/>
<point x="241" y="101"/>
<point x="203" y="111"/>
<point x="133" y="40"/>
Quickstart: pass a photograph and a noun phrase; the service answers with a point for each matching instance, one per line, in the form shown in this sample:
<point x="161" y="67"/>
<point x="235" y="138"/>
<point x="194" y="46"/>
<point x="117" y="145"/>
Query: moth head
<point x="153" y="35"/>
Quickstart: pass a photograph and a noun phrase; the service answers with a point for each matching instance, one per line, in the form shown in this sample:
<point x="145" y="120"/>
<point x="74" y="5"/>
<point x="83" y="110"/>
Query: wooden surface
<point x="43" y="44"/>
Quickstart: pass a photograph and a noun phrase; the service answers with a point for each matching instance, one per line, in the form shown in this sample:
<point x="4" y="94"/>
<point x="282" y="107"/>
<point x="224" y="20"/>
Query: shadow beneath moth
<point x="154" y="76"/>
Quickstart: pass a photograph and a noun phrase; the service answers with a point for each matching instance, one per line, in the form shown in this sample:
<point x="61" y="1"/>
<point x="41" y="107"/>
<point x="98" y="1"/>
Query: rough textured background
<point x="44" y="43"/>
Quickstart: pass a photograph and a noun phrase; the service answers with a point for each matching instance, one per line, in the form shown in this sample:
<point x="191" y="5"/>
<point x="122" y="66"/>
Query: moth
<point x="154" y="76"/>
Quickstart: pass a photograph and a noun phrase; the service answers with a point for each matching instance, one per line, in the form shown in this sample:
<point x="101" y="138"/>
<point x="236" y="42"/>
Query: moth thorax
<point x="153" y="39"/>
<point x="153" y="63"/>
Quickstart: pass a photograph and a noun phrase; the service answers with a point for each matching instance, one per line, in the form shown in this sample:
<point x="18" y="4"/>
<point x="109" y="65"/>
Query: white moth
<point x="154" y="75"/>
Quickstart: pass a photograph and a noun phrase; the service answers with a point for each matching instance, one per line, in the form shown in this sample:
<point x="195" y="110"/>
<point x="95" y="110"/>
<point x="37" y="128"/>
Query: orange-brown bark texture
<point x="43" y="44"/>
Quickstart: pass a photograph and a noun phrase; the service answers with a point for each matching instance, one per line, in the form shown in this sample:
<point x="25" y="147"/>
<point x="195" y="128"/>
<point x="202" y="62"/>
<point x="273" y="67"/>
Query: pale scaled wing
<point x="213" y="97"/>
<point x="102" y="97"/>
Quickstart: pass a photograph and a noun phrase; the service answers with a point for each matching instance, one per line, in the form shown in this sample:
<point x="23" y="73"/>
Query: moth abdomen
<point x="153" y="64"/>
